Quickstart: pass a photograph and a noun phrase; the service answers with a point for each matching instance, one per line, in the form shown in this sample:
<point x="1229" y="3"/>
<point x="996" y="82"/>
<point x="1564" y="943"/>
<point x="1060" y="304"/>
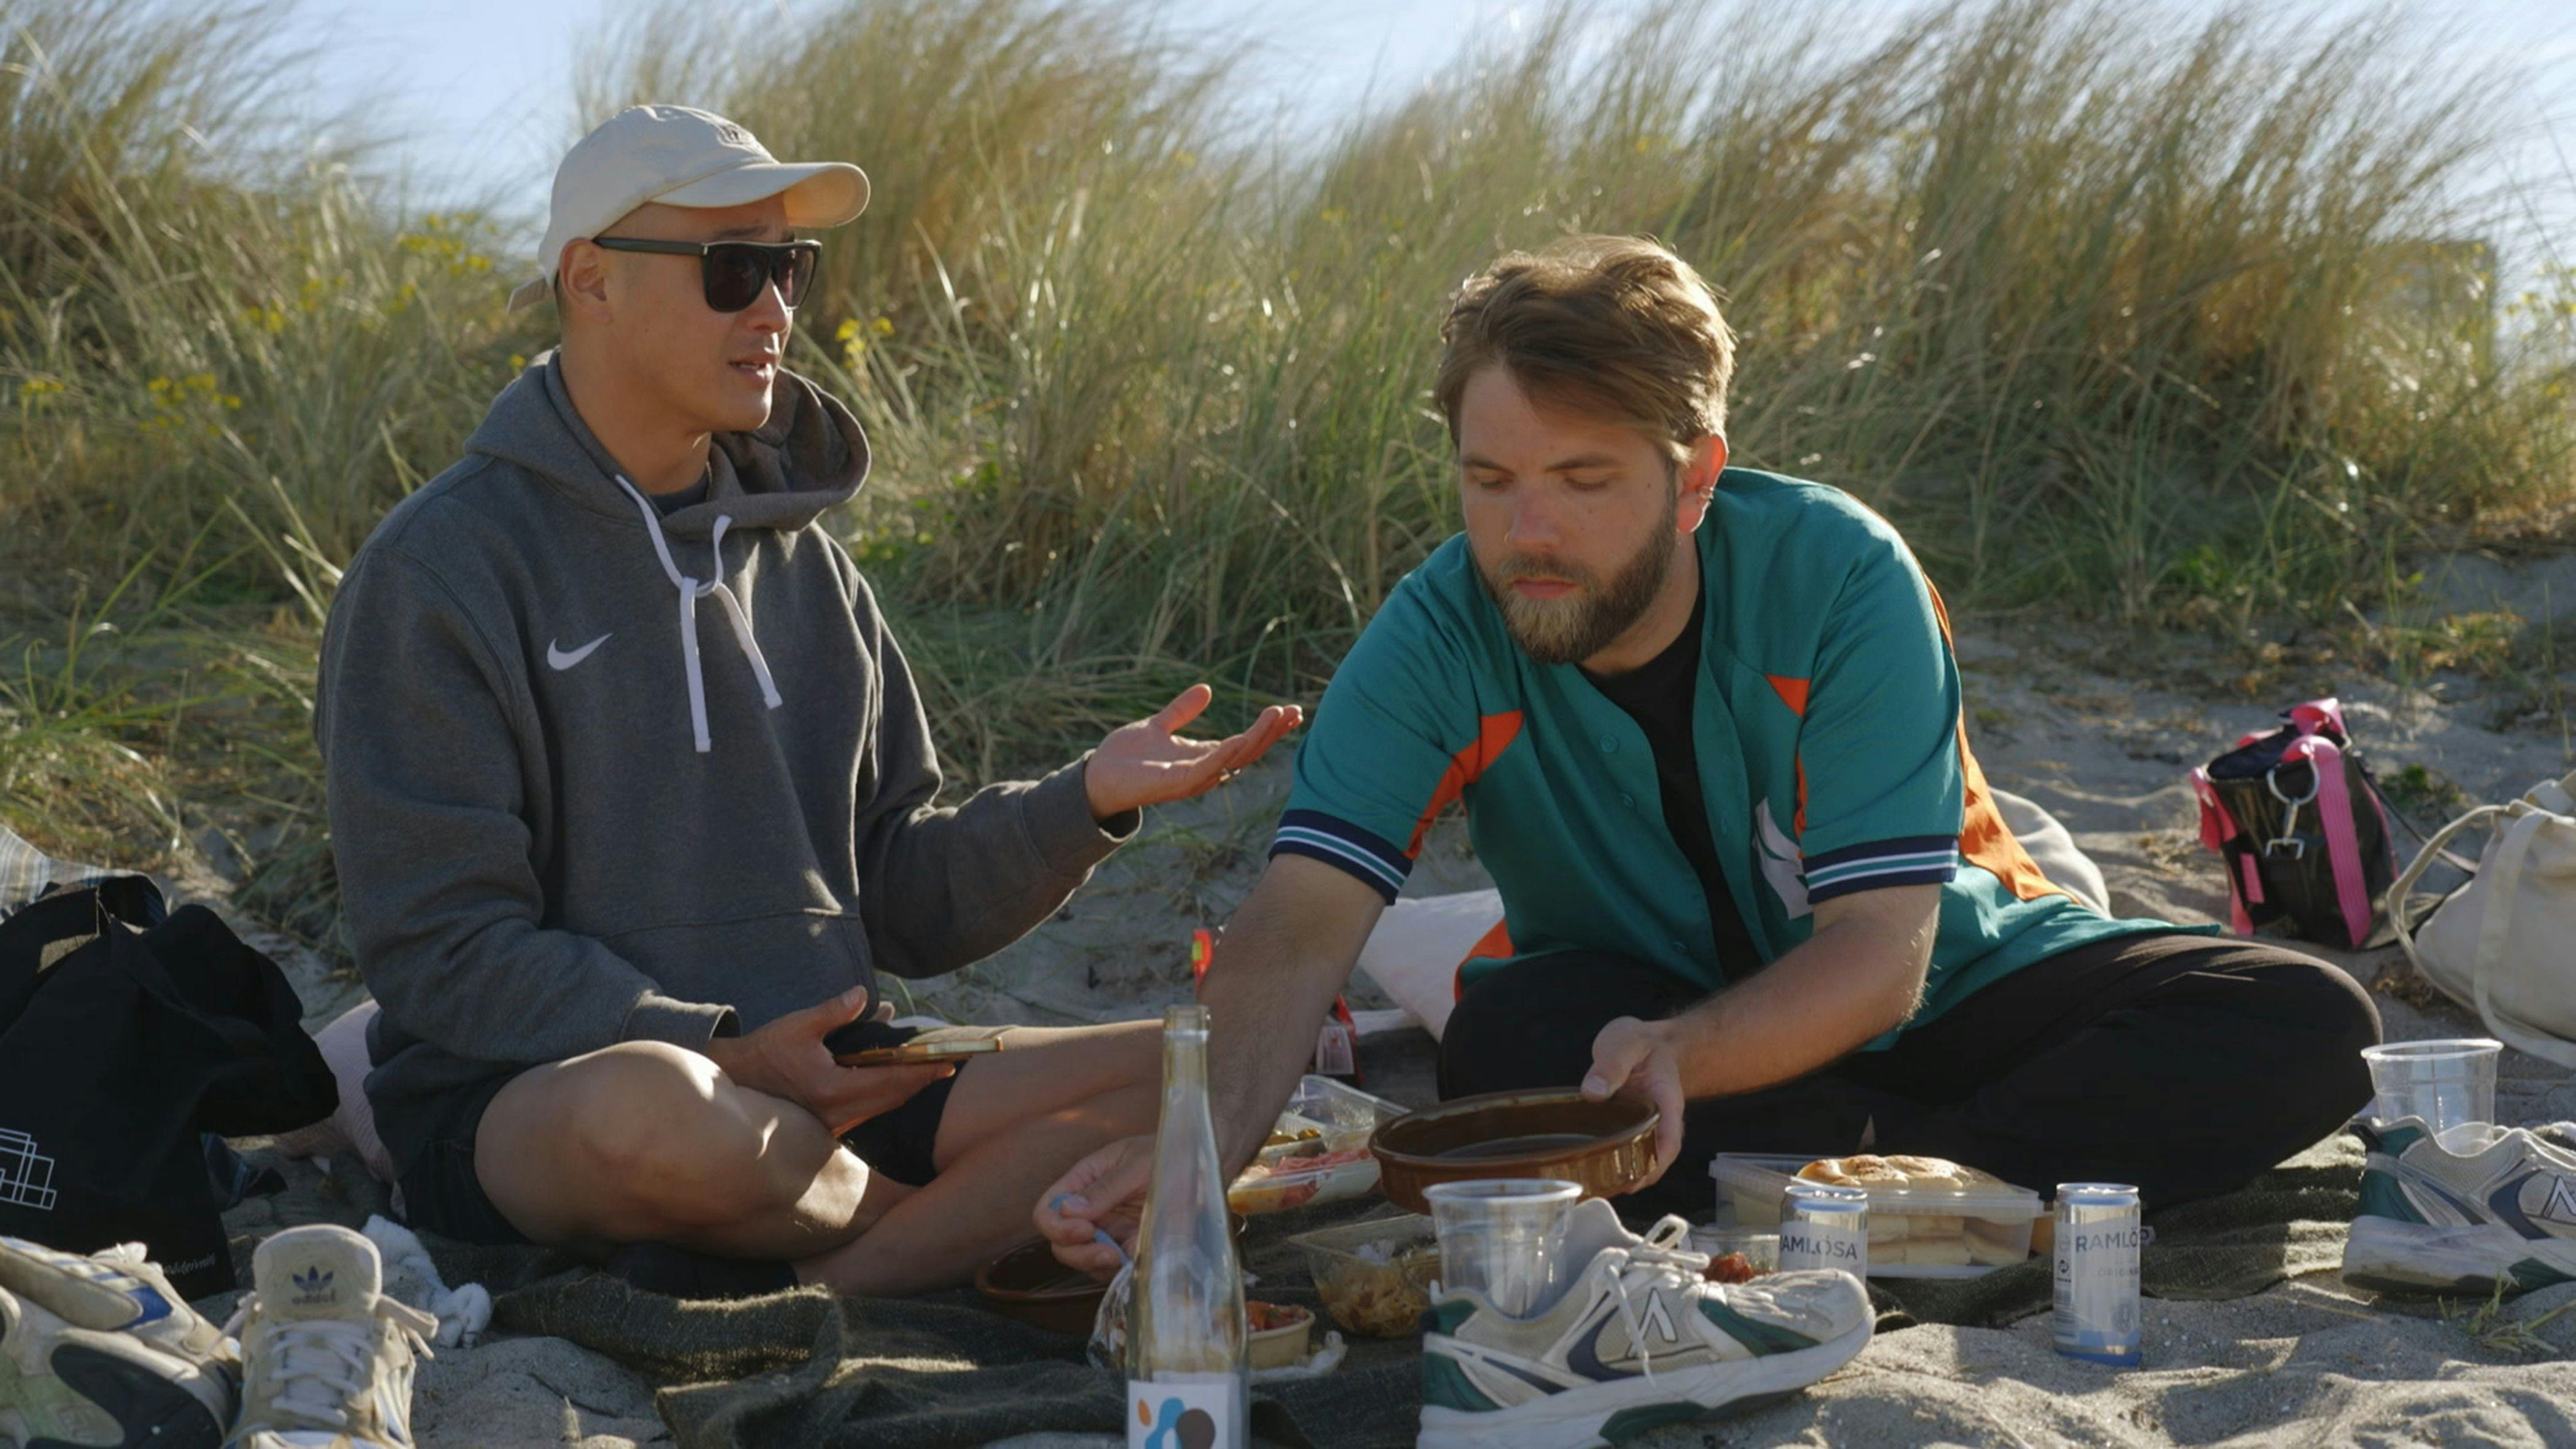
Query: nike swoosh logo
<point x="556" y="656"/>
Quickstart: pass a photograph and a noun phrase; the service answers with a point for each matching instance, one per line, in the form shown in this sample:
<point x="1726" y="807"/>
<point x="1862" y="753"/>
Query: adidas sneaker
<point x="100" y="1350"/>
<point x="2438" y="1219"/>
<point x="1638" y="1339"/>
<point x="327" y="1355"/>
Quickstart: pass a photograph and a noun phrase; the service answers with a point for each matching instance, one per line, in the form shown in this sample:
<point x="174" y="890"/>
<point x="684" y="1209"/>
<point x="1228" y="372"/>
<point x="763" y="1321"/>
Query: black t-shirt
<point x="669" y="503"/>
<point x="1658" y="695"/>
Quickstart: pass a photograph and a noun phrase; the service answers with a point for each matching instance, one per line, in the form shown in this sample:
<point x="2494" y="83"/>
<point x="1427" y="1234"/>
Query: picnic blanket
<point x="806" y="1368"/>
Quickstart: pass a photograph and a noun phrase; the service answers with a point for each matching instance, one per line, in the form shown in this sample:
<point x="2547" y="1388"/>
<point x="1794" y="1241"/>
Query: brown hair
<point x="1615" y="322"/>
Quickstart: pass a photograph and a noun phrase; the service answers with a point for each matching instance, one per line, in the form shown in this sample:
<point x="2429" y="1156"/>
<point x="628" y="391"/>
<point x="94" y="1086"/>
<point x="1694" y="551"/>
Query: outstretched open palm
<point x="1150" y="763"/>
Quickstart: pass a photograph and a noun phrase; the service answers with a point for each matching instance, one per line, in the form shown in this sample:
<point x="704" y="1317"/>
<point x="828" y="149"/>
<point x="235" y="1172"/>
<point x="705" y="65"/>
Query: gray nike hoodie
<point x="596" y="775"/>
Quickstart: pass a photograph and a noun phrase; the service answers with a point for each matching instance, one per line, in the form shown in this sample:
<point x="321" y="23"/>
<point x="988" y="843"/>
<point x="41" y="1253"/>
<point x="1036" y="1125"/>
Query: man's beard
<point x="1573" y="628"/>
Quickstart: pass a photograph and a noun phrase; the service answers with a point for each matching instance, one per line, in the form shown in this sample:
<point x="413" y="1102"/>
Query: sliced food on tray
<point x="1929" y="1217"/>
<point x="1933" y="1239"/>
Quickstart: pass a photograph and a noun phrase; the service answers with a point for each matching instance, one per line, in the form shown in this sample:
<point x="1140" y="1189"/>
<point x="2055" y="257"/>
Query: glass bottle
<point x="1188" y="1384"/>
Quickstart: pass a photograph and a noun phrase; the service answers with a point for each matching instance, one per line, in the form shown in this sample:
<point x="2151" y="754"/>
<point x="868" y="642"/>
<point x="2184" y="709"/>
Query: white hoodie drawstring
<point x="692" y="590"/>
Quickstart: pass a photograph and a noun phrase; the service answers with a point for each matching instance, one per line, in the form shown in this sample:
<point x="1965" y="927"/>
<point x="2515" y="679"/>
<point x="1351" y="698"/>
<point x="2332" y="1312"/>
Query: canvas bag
<point x="2504" y="945"/>
<point x="2298" y="821"/>
<point x="126" y="1036"/>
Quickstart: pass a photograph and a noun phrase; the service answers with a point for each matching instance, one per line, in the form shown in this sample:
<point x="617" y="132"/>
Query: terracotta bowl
<point x="1028" y="1284"/>
<point x="1605" y="1147"/>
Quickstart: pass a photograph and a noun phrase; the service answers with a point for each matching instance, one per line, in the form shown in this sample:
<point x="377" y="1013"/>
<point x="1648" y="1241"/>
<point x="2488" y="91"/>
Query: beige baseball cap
<point x="680" y="156"/>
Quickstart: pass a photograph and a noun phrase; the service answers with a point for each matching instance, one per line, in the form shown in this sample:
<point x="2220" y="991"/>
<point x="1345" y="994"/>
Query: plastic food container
<point x="1759" y="1247"/>
<point x="1318" y="1150"/>
<point x="1374" y="1277"/>
<point x="1914" y="1232"/>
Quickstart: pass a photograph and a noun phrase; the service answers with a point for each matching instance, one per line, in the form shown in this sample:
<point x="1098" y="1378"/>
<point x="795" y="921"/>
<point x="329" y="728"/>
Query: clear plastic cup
<point x="1503" y="1237"/>
<point x="2450" y="1084"/>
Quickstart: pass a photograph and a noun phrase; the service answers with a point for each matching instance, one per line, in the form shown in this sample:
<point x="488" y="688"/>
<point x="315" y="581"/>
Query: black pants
<point x="2181" y="1064"/>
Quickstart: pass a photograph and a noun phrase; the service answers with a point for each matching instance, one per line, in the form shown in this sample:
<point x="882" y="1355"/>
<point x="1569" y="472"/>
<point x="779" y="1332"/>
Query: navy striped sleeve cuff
<point x="1344" y="846"/>
<point x="1912" y="860"/>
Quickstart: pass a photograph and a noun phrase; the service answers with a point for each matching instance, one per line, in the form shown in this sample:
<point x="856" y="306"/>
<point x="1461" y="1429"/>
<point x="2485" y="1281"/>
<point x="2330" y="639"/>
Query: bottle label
<point x="1196" y="1411"/>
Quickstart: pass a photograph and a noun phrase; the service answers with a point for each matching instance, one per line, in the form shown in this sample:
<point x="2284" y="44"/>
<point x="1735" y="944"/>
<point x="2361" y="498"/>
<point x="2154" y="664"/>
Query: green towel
<point x="805" y="1368"/>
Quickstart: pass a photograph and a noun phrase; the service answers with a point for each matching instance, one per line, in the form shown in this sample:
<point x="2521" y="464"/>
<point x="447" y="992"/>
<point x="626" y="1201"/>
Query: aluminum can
<point x="2098" y="1237"/>
<point x="1824" y="1226"/>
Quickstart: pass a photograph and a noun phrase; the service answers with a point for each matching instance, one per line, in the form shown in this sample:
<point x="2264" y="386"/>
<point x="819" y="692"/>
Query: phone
<point x="918" y="1053"/>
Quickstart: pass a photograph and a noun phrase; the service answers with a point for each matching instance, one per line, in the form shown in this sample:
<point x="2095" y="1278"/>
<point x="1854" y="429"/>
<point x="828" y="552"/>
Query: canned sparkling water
<point x="2098" y="1235"/>
<point x="1824" y="1226"/>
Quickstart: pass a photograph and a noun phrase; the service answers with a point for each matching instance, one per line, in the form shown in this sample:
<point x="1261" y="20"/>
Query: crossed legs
<point x="646" y="1142"/>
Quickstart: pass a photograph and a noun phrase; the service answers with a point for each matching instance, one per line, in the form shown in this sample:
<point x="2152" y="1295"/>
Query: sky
<point x="480" y="90"/>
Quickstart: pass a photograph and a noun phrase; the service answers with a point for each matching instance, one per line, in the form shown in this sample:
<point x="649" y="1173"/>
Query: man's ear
<point x="1696" y="488"/>
<point x="581" y="283"/>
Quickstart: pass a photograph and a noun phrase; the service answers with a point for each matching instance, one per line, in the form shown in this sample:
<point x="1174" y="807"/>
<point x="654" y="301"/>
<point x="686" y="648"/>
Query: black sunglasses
<point x="736" y="272"/>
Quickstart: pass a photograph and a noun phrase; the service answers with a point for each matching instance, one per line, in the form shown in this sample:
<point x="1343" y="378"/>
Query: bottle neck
<point x="1184" y="1066"/>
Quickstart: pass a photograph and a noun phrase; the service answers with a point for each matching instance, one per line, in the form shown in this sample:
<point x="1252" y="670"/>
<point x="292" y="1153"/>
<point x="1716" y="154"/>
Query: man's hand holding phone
<point x="787" y="1059"/>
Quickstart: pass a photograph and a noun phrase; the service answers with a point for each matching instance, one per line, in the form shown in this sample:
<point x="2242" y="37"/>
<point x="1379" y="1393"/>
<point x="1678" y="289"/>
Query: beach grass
<point x="2155" y="319"/>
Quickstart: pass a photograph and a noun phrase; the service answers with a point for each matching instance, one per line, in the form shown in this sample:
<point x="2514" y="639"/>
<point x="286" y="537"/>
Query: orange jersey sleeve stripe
<point x="1494" y="734"/>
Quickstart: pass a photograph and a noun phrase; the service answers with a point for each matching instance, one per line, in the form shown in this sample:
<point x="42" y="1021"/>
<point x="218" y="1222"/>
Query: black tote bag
<point x="123" y="1037"/>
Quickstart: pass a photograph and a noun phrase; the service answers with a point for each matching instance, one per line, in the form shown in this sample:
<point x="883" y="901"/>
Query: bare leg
<point x="647" y="1142"/>
<point x="1014" y="1122"/>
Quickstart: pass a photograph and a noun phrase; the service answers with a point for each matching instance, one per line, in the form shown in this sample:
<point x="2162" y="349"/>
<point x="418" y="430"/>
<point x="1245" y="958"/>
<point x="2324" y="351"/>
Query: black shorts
<point x="2184" y="1064"/>
<point x="431" y="1140"/>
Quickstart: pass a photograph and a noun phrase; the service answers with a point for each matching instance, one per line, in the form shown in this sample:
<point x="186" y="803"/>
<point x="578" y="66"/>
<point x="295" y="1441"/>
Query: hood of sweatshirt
<point x="808" y="457"/>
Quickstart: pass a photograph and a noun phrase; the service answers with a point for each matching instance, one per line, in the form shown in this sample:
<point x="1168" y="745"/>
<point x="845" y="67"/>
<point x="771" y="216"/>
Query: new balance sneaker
<point x="2437" y="1219"/>
<point x="100" y="1350"/>
<point x="1638" y="1339"/>
<point x="327" y="1356"/>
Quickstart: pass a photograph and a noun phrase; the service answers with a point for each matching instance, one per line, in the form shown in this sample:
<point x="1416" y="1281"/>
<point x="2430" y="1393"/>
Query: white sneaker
<point x="2436" y="1219"/>
<point x="100" y="1350"/>
<point x="327" y="1355"/>
<point x="1638" y="1340"/>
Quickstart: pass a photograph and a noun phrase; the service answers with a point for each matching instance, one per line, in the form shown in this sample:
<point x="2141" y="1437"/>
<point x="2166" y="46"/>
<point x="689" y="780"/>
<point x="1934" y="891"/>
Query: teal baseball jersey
<point x="1831" y="752"/>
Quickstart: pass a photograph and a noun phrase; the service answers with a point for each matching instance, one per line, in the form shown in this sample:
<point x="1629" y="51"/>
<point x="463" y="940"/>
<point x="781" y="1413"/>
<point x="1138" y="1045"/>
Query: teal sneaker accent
<point x="1445" y="1317"/>
<point x="2381" y="1197"/>
<point x="2395" y="1140"/>
<point x="1627" y="1424"/>
<point x="1763" y="1338"/>
<point x="1445" y="1385"/>
<point x="2533" y="1273"/>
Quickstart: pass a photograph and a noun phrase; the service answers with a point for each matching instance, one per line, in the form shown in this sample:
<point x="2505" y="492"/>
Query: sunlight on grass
<point x="2170" y="324"/>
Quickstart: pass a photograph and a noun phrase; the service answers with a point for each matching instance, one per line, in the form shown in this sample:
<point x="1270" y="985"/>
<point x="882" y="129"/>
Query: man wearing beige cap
<point x="621" y="870"/>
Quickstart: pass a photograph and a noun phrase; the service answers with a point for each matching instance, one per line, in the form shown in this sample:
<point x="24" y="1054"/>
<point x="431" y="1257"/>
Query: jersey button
<point x="1628" y="800"/>
<point x="1609" y="744"/>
